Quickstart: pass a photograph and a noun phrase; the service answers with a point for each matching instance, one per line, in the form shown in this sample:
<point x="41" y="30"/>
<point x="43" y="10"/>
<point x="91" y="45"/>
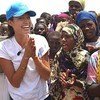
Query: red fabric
<point x="62" y="15"/>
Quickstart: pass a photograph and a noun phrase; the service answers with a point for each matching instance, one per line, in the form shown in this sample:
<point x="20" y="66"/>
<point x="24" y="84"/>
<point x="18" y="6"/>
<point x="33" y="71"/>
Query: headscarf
<point x="81" y="2"/>
<point x="63" y="15"/>
<point x="77" y="54"/>
<point x="76" y="32"/>
<point x="84" y="15"/>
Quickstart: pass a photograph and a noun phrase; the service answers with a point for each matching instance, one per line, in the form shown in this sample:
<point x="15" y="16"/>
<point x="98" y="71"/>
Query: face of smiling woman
<point x="67" y="41"/>
<point x="89" y="29"/>
<point x="21" y="25"/>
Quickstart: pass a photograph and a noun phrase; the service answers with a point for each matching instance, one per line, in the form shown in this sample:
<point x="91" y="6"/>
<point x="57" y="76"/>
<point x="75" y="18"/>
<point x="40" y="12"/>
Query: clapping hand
<point x="30" y="49"/>
<point x="67" y="79"/>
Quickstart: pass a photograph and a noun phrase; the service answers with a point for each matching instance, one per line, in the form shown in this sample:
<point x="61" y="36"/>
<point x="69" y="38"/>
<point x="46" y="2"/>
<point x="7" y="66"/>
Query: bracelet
<point x="23" y="68"/>
<point x="35" y="57"/>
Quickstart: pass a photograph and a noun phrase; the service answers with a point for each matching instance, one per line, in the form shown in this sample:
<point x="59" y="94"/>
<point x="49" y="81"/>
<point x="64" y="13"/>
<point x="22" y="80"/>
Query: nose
<point x="63" y="39"/>
<point x="39" y="30"/>
<point x="86" y="27"/>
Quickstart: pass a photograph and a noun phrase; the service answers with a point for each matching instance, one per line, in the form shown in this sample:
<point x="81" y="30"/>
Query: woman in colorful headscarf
<point x="87" y="21"/>
<point x="75" y="6"/>
<point x="71" y="64"/>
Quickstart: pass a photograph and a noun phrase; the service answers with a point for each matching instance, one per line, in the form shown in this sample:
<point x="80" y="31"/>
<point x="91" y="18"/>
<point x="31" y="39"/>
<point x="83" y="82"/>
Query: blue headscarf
<point x="84" y="15"/>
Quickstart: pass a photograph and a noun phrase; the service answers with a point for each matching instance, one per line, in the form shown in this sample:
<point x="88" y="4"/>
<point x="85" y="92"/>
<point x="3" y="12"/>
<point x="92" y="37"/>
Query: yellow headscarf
<point x="82" y="2"/>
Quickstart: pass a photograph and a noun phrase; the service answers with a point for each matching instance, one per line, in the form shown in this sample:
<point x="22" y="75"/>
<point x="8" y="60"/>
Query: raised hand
<point x="30" y="49"/>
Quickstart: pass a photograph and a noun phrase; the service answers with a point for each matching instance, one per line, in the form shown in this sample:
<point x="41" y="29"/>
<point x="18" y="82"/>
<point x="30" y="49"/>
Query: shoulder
<point x="83" y="52"/>
<point x="86" y="55"/>
<point x="95" y="54"/>
<point x="6" y="42"/>
<point x="6" y="47"/>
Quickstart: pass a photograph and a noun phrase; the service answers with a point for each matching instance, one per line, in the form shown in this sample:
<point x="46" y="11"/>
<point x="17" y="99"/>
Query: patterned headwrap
<point x="82" y="2"/>
<point x="76" y="32"/>
<point x="84" y="15"/>
<point x="77" y="54"/>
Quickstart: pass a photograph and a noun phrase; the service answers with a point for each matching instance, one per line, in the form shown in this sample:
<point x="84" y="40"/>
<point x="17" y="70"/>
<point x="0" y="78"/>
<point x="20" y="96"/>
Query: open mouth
<point x="65" y="46"/>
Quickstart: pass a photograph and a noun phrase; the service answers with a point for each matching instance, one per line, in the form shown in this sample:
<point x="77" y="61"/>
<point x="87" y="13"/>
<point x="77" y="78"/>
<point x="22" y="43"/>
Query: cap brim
<point x="31" y="13"/>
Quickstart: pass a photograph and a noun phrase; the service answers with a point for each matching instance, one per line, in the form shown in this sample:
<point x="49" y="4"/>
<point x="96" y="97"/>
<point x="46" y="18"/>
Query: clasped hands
<point x="67" y="79"/>
<point x="30" y="48"/>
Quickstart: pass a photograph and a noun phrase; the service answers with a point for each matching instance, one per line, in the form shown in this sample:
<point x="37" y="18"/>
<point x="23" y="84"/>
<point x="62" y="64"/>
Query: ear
<point x="10" y="23"/>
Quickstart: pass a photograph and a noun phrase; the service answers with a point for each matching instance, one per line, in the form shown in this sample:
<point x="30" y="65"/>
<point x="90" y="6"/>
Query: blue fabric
<point x="85" y="15"/>
<point x="18" y="9"/>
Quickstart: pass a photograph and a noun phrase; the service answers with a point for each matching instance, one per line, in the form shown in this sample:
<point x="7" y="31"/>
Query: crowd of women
<point x="57" y="58"/>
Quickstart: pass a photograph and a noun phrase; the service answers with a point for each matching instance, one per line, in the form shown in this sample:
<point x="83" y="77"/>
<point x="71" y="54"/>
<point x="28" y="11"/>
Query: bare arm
<point x="14" y="77"/>
<point x="43" y="66"/>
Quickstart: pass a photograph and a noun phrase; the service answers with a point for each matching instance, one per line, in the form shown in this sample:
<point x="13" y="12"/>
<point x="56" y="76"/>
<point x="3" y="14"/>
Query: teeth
<point x="26" y="26"/>
<point x="64" y="44"/>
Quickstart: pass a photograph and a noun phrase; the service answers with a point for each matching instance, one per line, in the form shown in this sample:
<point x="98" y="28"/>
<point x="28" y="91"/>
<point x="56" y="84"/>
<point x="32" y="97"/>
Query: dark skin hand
<point x="66" y="80"/>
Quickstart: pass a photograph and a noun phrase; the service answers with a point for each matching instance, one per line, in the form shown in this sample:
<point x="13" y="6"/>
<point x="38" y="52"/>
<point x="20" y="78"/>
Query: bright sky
<point x="51" y="6"/>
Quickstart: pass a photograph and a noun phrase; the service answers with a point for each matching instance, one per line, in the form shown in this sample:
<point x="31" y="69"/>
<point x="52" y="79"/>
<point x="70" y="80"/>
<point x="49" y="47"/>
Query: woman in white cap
<point x="24" y="57"/>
